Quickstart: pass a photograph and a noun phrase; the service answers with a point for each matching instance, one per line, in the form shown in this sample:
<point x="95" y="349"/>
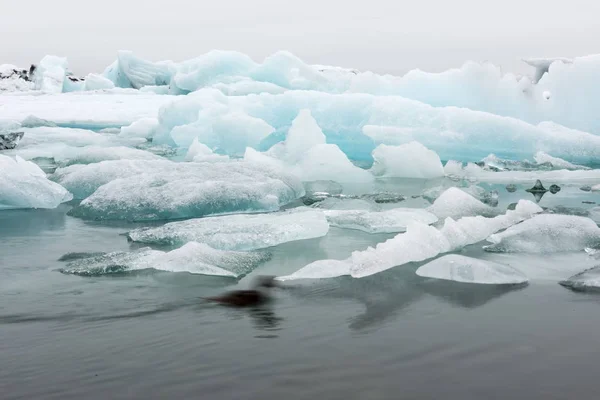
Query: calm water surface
<point x="389" y="336"/>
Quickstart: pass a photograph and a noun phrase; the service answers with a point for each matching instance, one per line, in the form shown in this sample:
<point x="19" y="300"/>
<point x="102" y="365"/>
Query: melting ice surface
<point x="454" y="267"/>
<point x="388" y="221"/>
<point x="583" y="281"/>
<point x="195" y="258"/>
<point x="239" y="232"/>
<point x="546" y="234"/>
<point x="24" y="185"/>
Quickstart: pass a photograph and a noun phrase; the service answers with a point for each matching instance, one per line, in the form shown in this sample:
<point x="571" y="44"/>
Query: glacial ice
<point x="239" y="232"/>
<point x="389" y="221"/>
<point x="410" y="160"/>
<point x="454" y="267"/>
<point x="142" y="128"/>
<point x="547" y="233"/>
<point x="129" y="71"/>
<point x="24" y="185"/>
<point x="348" y="120"/>
<point x="194" y="258"/>
<point x="14" y="79"/>
<point x="51" y="74"/>
<point x="65" y="155"/>
<point x="588" y="280"/>
<point x="456" y="203"/>
<point x="97" y="82"/>
<point x="146" y="190"/>
<point x="419" y="243"/>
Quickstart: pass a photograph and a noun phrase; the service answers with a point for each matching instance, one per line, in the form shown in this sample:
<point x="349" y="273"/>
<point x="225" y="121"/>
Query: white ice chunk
<point x="51" y="74"/>
<point x="194" y="258"/>
<point x="239" y="232"/>
<point x="303" y="135"/>
<point x="131" y="71"/>
<point x="547" y="233"/>
<point x="410" y="160"/>
<point x="24" y="185"/>
<point x="586" y="280"/>
<point x="454" y="267"/>
<point x="388" y="221"/>
<point x="142" y="128"/>
<point x="327" y="161"/>
<point x="199" y="152"/>
<point x="97" y="82"/>
<point x="456" y="203"/>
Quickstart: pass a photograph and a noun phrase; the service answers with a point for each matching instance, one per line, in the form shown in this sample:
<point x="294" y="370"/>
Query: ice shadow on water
<point x="31" y="222"/>
<point x="388" y="294"/>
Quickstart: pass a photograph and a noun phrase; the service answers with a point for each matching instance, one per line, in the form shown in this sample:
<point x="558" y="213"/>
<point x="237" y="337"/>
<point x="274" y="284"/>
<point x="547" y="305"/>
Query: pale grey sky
<point x="384" y="36"/>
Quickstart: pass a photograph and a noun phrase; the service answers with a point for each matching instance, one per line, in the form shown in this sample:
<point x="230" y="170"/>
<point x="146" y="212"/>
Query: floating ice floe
<point x="547" y="233"/>
<point x="199" y="152"/>
<point x="588" y="280"/>
<point x="24" y="185"/>
<point x="239" y="232"/>
<point x="456" y="203"/>
<point x="153" y="190"/>
<point x="389" y="221"/>
<point x="541" y="158"/>
<point x="454" y="267"/>
<point x="194" y="258"/>
<point x="419" y="243"/>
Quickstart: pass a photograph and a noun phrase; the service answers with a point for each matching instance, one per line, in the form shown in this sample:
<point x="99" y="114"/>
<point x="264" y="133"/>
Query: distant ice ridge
<point x="239" y="232"/>
<point x="475" y="172"/>
<point x="358" y="123"/>
<point x="146" y="190"/>
<point x="14" y="79"/>
<point x="389" y="221"/>
<point x="194" y="258"/>
<point x="419" y="243"/>
<point x="454" y="267"/>
<point x="547" y="233"/>
<point x="24" y="185"/>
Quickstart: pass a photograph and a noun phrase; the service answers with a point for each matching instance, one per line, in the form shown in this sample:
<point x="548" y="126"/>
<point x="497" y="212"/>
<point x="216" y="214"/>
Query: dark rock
<point x="554" y="189"/>
<point x="586" y="188"/>
<point x="511" y="188"/>
<point x="9" y="141"/>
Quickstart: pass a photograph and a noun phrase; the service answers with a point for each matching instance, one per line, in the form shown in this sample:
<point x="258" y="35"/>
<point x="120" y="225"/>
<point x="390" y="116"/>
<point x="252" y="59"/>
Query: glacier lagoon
<point x="400" y="215"/>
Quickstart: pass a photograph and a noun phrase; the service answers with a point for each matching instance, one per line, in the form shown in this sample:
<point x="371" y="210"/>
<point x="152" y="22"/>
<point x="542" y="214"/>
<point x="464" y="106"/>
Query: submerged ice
<point x="454" y="267"/>
<point x="194" y="258"/>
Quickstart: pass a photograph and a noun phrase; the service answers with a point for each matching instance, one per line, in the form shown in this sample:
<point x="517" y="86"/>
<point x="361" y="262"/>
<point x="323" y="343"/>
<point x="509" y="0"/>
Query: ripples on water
<point x="393" y="335"/>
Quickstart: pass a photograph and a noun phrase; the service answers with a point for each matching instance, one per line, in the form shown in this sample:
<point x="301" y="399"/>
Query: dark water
<point x="389" y="336"/>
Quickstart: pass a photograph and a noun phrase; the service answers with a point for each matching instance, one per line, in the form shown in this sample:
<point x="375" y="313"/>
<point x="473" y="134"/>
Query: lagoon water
<point x="393" y="335"/>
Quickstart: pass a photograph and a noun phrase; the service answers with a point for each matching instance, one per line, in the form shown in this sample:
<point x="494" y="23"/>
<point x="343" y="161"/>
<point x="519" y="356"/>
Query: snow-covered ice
<point x="239" y="232"/>
<point x="588" y="280"/>
<point x="454" y="267"/>
<point x="456" y="203"/>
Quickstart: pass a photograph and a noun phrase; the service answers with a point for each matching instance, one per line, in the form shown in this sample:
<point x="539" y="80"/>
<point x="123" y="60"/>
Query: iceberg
<point x="14" y="79"/>
<point x="24" y="185"/>
<point x="547" y="233"/>
<point x="454" y="267"/>
<point x="10" y="134"/>
<point x="239" y="232"/>
<point x="142" y="128"/>
<point x="194" y="258"/>
<point x="51" y="74"/>
<point x="420" y="242"/>
<point x="389" y="221"/>
<point x="139" y="190"/>
<point x="129" y="71"/>
<point x="306" y="154"/>
<point x="410" y="160"/>
<point x="456" y="203"/>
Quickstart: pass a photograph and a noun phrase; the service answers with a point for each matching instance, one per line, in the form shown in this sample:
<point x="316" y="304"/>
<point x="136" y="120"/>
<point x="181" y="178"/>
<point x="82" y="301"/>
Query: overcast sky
<point x="384" y="36"/>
